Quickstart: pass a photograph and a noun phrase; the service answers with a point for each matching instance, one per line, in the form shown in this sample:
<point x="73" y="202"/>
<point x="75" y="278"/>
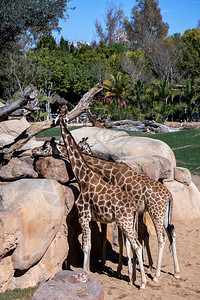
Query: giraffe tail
<point x="167" y="220"/>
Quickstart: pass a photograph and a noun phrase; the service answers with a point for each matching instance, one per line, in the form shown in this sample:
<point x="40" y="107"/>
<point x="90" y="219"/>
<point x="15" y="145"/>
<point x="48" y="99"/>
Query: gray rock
<point x="69" y="285"/>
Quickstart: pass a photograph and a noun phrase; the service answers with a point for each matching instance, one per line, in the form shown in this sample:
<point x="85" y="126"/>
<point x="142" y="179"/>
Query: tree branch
<point x="30" y="94"/>
<point x="7" y="150"/>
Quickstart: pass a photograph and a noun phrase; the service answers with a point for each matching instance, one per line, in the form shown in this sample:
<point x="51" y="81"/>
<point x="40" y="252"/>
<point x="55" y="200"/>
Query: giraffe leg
<point x="161" y="246"/>
<point x="86" y="247"/>
<point x="172" y="238"/>
<point x="131" y="235"/>
<point x="120" y="259"/>
<point x="84" y="220"/>
<point x="104" y="236"/>
<point x="143" y="235"/>
<point x="138" y="252"/>
<point x="131" y="268"/>
<point x="146" y="242"/>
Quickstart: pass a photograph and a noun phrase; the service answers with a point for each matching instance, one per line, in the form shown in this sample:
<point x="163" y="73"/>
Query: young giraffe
<point x="150" y="195"/>
<point x="84" y="146"/>
<point x="52" y="148"/>
<point x="101" y="202"/>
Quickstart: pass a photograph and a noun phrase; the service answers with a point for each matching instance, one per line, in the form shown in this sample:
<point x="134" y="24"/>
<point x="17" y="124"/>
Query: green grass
<point x="185" y="145"/>
<point x="53" y="132"/>
<point x="16" y="294"/>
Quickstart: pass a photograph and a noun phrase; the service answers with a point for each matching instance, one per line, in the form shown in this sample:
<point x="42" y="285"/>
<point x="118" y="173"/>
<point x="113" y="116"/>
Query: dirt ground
<point x="187" y="287"/>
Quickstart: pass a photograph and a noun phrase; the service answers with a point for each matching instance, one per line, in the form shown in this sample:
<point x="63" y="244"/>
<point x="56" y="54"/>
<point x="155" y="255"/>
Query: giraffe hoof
<point x="155" y="279"/>
<point x="142" y="287"/>
<point x="177" y="275"/>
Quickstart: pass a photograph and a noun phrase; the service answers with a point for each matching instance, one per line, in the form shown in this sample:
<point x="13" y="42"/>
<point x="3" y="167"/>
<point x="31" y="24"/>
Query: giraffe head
<point x="62" y="111"/>
<point x="84" y="146"/>
<point x="44" y="150"/>
<point x="50" y="148"/>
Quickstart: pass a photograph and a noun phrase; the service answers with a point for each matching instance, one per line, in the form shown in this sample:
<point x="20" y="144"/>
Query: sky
<point x="179" y="14"/>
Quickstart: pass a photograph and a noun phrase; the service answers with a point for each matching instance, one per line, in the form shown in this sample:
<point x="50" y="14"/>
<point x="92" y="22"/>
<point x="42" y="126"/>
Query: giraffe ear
<point x="52" y="141"/>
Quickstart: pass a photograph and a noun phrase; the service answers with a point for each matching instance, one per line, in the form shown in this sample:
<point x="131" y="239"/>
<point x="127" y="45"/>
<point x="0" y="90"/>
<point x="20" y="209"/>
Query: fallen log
<point x="6" y="152"/>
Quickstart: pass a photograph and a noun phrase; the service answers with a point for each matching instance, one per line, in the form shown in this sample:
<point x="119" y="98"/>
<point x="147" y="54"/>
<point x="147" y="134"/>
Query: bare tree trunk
<point x="7" y="150"/>
<point x="30" y="94"/>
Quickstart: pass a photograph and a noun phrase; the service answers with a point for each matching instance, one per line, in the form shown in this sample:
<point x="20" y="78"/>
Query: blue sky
<point x="179" y="14"/>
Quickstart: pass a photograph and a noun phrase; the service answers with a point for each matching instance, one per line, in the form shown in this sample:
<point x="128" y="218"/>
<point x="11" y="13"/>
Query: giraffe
<point x="52" y="148"/>
<point x="84" y="146"/>
<point x="150" y="196"/>
<point x="143" y="234"/>
<point x="102" y="202"/>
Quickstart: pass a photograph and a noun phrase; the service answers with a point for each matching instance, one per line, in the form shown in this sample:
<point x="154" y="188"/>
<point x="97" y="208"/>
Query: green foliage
<point x="146" y="24"/>
<point x="155" y="76"/>
<point x="35" y="16"/>
<point x="38" y="115"/>
<point x="191" y="55"/>
<point x="117" y="87"/>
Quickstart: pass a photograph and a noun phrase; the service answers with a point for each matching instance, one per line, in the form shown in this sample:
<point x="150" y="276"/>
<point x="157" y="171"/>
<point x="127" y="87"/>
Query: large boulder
<point x="186" y="201"/>
<point x="6" y="139"/>
<point x="32" y="212"/>
<point x="155" y="167"/>
<point x="14" y="127"/>
<point x="57" y="169"/>
<point x="117" y="144"/>
<point x="16" y="169"/>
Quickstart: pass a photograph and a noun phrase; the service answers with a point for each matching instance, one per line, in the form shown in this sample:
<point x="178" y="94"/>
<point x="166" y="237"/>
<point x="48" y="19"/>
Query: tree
<point x="145" y="24"/>
<point x="113" y="19"/>
<point x="47" y="41"/>
<point x="191" y="54"/>
<point x="189" y="97"/>
<point x="118" y="88"/>
<point x="165" y="55"/>
<point x="136" y="65"/>
<point x="35" y="16"/>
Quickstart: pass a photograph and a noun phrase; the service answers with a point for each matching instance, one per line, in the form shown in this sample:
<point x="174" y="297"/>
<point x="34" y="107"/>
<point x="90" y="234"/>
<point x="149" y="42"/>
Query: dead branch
<point x="7" y="150"/>
<point x="30" y="93"/>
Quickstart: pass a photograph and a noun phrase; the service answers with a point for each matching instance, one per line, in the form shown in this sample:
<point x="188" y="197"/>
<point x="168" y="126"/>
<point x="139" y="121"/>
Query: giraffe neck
<point x="77" y="161"/>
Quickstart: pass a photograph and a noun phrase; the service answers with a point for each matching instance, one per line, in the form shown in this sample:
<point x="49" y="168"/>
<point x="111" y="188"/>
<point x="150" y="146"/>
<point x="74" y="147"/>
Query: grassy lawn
<point x="185" y="145"/>
<point x="18" y="294"/>
<point x="53" y="132"/>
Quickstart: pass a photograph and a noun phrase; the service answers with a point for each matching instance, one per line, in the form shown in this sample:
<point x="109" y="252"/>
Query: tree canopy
<point x="35" y="16"/>
<point x="145" y="24"/>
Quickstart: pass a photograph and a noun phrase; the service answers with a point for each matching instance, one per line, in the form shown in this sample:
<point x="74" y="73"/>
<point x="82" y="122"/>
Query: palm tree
<point x="160" y="92"/>
<point x="189" y="96"/>
<point x="118" y="87"/>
